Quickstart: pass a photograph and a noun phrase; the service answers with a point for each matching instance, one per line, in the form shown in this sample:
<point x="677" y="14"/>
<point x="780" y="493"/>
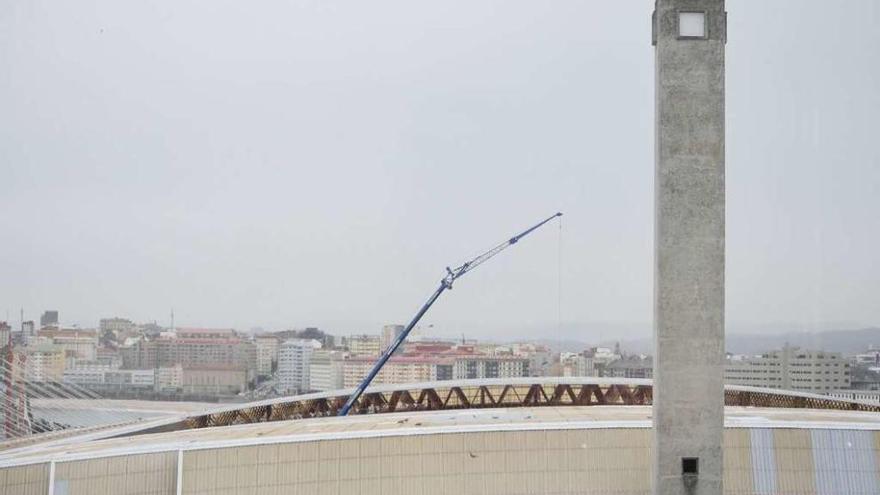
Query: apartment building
<point x="76" y="343"/>
<point x="191" y="348"/>
<point x="630" y="367"/>
<point x="214" y="380"/>
<point x="364" y="345"/>
<point x="790" y="368"/>
<point x="327" y="370"/>
<point x="44" y="362"/>
<point x="470" y="367"/>
<point x="294" y="359"/>
<point x="398" y="369"/>
<point x="267" y="354"/>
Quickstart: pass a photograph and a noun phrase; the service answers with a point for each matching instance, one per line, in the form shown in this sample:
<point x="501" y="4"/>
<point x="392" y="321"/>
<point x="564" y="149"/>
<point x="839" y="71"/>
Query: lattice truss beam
<point x="475" y="397"/>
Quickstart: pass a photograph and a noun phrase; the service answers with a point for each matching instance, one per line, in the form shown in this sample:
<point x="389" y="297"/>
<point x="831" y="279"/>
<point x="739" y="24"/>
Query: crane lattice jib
<point x="446" y="283"/>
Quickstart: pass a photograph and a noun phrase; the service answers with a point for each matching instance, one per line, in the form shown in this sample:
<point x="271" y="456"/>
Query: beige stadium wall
<point x="574" y="461"/>
<point x="590" y="461"/>
<point x="25" y="479"/>
<point x="141" y="474"/>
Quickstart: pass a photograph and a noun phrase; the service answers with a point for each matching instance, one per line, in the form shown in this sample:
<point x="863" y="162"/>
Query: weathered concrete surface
<point x="689" y="249"/>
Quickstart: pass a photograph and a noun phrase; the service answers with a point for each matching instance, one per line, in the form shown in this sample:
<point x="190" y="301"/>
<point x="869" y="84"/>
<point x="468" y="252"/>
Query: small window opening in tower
<point x="692" y="24"/>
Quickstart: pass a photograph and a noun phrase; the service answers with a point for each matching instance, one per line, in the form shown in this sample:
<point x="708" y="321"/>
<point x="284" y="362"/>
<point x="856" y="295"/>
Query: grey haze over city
<point x="304" y="163"/>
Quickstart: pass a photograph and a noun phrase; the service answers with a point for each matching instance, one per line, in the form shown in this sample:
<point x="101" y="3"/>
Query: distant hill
<point x="845" y="341"/>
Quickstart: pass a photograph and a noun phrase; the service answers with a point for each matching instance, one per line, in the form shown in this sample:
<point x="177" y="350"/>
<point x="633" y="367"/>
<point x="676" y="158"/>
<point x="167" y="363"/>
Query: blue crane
<point x="452" y="274"/>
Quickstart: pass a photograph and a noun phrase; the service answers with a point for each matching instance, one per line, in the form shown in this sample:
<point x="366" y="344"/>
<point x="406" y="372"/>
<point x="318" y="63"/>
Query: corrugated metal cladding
<point x="144" y="474"/>
<point x="757" y="461"/>
<point x="763" y="461"/>
<point x="577" y="461"/>
<point x="25" y="480"/>
<point x="845" y="462"/>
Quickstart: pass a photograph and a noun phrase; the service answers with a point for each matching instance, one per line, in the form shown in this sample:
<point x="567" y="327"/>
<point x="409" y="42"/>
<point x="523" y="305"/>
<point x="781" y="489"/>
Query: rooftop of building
<point x="239" y="368"/>
<point x="204" y="331"/>
<point x="42" y="348"/>
<point x="55" y="332"/>
<point x="631" y="362"/>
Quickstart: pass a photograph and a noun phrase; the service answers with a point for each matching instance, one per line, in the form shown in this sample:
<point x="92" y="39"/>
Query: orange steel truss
<point x="436" y="398"/>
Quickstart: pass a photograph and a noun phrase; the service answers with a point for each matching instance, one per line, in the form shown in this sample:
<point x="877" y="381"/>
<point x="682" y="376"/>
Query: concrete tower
<point x="689" y="36"/>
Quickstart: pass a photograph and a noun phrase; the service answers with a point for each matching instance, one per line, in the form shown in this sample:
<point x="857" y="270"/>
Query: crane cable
<point x="559" y="282"/>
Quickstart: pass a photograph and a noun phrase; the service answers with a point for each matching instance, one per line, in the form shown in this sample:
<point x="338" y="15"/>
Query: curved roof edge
<point x="438" y="395"/>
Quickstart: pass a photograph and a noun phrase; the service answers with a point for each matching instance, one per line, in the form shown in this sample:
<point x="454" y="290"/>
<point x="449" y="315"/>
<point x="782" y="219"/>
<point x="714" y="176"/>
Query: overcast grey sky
<point x="292" y="163"/>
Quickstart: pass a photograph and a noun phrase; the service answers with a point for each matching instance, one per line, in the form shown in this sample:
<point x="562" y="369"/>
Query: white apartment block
<point x="326" y="371"/>
<point x="267" y="354"/>
<point x="465" y="368"/>
<point x="294" y="358"/>
<point x="28" y="332"/>
<point x="83" y="376"/>
<point x="870" y="357"/>
<point x="790" y="369"/>
<point x="136" y="378"/>
<point x="86" y="372"/>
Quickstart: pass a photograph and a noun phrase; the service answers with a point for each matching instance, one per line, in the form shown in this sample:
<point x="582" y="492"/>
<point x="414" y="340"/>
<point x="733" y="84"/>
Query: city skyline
<point x="584" y="332"/>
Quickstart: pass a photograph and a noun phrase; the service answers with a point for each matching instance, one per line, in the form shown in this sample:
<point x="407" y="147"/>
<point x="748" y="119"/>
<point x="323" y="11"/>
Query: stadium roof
<point x="465" y="402"/>
<point x="419" y="423"/>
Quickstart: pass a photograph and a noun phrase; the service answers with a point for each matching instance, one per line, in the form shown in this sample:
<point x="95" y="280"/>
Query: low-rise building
<point x="214" y="380"/>
<point x="130" y="379"/>
<point x="108" y="356"/>
<point x="191" y="348"/>
<point x="363" y="345"/>
<point x="865" y="378"/>
<point x="398" y="369"/>
<point x="88" y="372"/>
<point x="791" y="368"/>
<point x="630" y="367"/>
<point x="423" y="368"/>
<point x="470" y="367"/>
<point x="871" y="357"/>
<point x="77" y="343"/>
<point x="580" y="364"/>
<point x="44" y="362"/>
<point x="541" y="359"/>
<point x="169" y="379"/>
<point x="104" y="379"/>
